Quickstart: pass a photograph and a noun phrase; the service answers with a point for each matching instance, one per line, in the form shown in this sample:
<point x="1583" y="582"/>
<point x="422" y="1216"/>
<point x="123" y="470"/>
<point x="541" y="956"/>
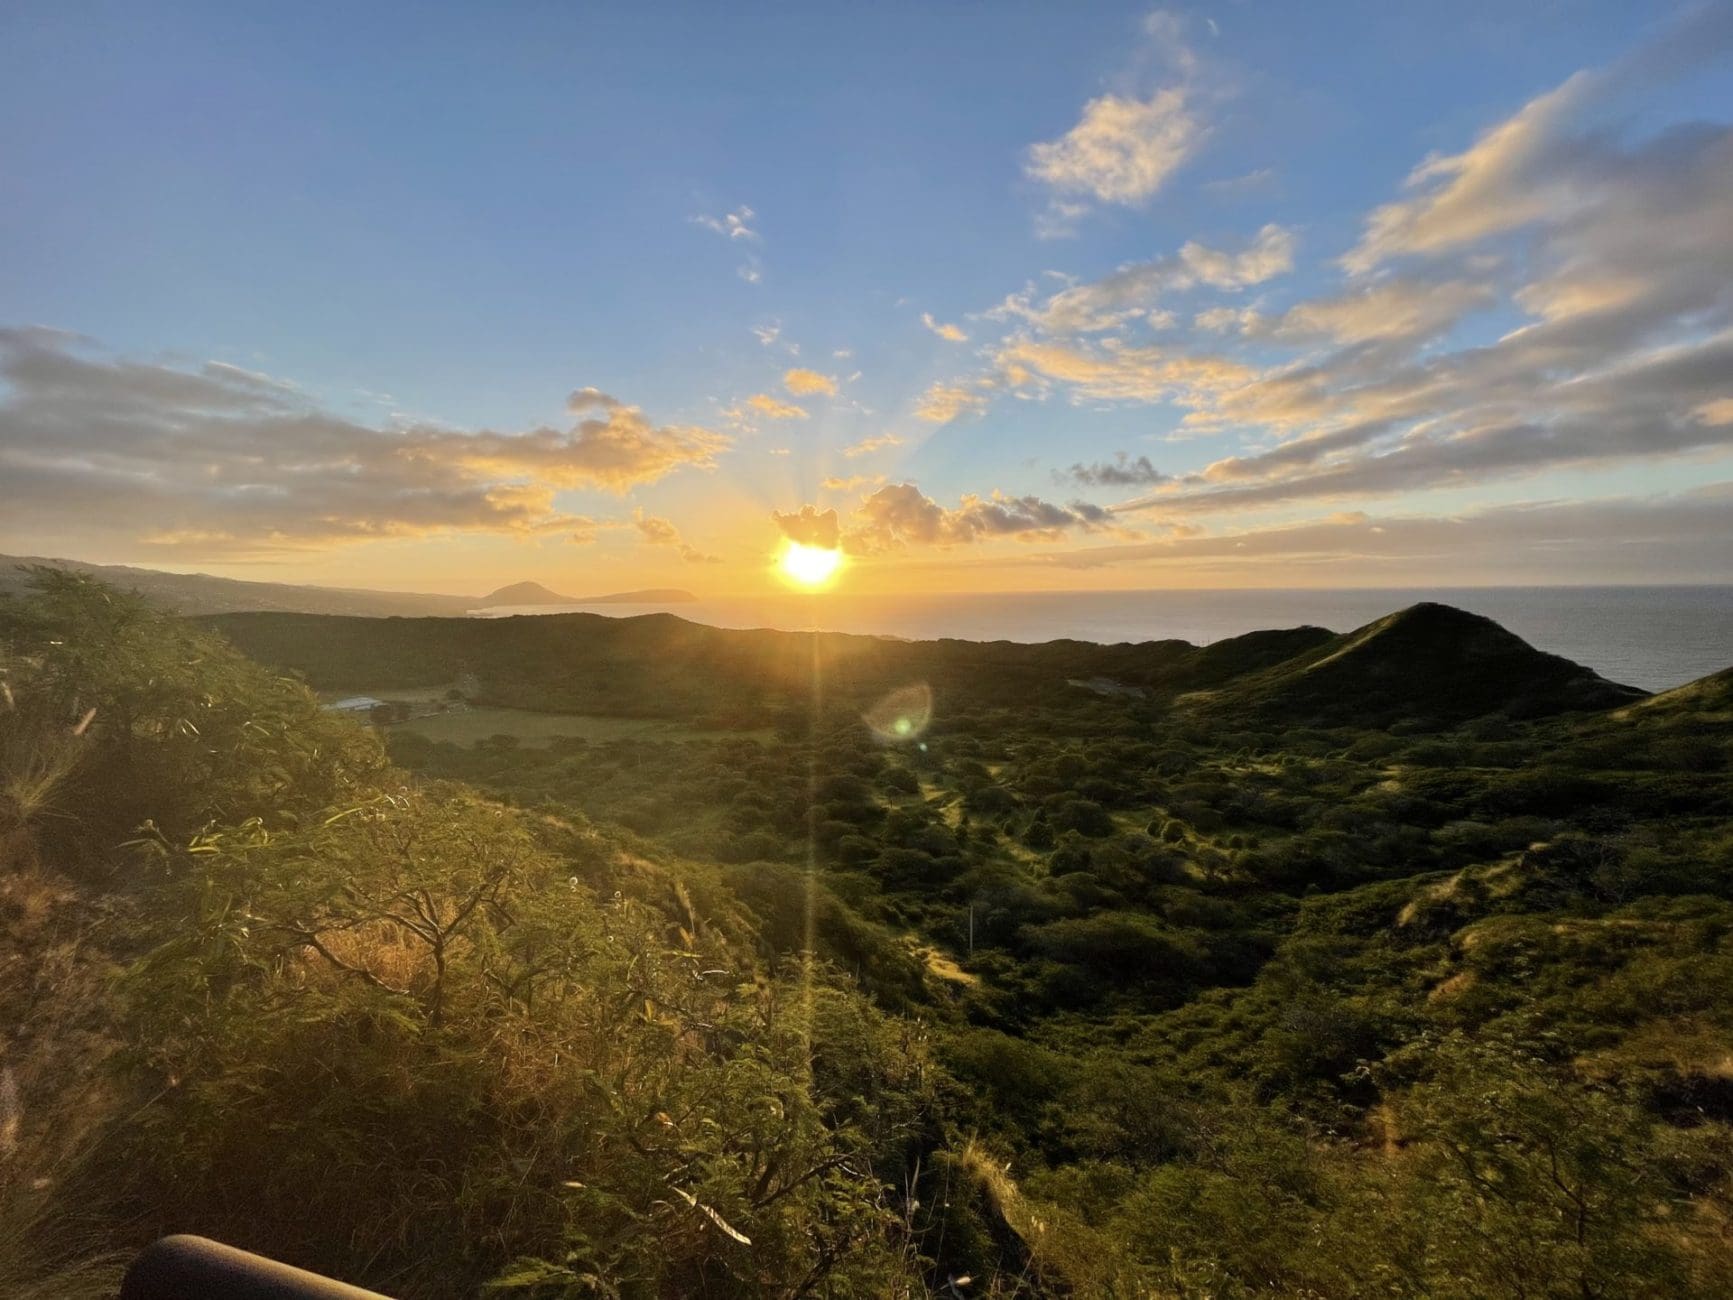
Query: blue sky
<point x="415" y="231"/>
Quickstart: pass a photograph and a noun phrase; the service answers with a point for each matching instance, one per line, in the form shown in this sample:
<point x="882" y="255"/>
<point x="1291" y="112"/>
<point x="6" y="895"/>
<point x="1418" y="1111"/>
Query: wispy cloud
<point x="942" y="403"/>
<point x="1134" y="290"/>
<point x="775" y="408"/>
<point x="866" y="446"/>
<point x="950" y="333"/>
<point x="1631" y="539"/>
<point x="730" y="225"/>
<point x="853" y="483"/>
<point x="660" y="532"/>
<point x="1261" y="181"/>
<point x="737" y="227"/>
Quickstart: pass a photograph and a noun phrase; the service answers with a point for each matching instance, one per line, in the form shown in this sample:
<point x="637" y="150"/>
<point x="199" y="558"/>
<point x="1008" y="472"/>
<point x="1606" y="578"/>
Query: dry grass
<point x="53" y="1097"/>
<point x="37" y="756"/>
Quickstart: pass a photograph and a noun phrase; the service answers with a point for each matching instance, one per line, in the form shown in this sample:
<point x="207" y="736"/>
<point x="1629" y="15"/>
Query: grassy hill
<point x="1431" y="664"/>
<point x="201" y="593"/>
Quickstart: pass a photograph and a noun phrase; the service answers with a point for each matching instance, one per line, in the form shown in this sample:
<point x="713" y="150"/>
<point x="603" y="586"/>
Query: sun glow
<point x="812" y="567"/>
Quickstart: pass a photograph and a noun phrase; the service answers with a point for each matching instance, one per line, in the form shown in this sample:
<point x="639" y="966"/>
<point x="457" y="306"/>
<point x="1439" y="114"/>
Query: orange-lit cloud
<point x="810" y="526"/>
<point x="1121" y="149"/>
<point x="775" y="408"/>
<point x="852" y="482"/>
<point x="950" y="333"/>
<point x="660" y="532"/>
<point x="801" y="382"/>
<point x="942" y="403"/>
<point x="866" y="446"/>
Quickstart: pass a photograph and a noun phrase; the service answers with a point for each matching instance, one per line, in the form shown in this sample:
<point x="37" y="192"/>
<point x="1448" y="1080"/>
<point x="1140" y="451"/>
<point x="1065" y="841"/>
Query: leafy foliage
<point x="1202" y="988"/>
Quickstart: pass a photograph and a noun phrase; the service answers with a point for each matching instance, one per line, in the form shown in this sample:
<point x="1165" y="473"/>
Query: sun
<point x="812" y="567"/>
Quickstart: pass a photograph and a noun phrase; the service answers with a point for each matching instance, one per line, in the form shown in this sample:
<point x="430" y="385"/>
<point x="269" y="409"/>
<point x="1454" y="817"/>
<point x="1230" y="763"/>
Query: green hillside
<point x="1193" y="980"/>
<point x="1431" y="663"/>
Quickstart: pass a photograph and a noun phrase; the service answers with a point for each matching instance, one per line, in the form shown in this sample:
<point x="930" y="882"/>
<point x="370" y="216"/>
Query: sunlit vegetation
<point x="1234" y="979"/>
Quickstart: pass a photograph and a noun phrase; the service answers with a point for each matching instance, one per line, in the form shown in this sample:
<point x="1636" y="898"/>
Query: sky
<point x="1004" y="296"/>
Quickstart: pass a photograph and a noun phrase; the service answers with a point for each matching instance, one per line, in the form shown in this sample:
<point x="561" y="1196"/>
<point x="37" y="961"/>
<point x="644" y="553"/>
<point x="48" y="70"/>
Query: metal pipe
<point x="196" y="1268"/>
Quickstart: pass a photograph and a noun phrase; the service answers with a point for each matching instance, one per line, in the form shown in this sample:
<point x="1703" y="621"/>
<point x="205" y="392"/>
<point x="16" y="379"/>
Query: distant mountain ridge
<point x="533" y="593"/>
<point x="203" y="593"/>
<point x="1427" y="665"/>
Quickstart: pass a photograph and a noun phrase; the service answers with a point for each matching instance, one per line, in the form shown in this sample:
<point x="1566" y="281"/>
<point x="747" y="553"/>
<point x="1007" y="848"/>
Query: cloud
<point x="1122" y="149"/>
<point x="1641" y="409"/>
<point x="1124" y="146"/>
<point x="1133" y="290"/>
<point x="1614" y="254"/>
<point x="1121" y="471"/>
<point x="801" y="382"/>
<point x="866" y="446"/>
<point x="1509" y="177"/>
<point x="775" y="408"/>
<point x="1254" y="182"/>
<point x="950" y="333"/>
<point x="1268" y="255"/>
<point x="660" y="532"/>
<point x="730" y="225"/>
<point x="852" y="483"/>
<point x="942" y="403"/>
<point x="1535" y="163"/>
<point x="217" y="460"/>
<point x="1221" y="320"/>
<point x="615" y="450"/>
<point x="736" y="226"/>
<point x="1113" y="372"/>
<point x="767" y="334"/>
<point x="900" y="515"/>
<point x="1630" y="539"/>
<point x="1059" y="219"/>
<point x="810" y="526"/>
<point x="1406" y="308"/>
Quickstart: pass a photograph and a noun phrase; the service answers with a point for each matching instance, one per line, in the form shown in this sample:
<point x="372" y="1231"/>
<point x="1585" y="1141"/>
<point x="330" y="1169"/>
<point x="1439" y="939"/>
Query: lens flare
<point x="809" y="566"/>
<point x="903" y="715"/>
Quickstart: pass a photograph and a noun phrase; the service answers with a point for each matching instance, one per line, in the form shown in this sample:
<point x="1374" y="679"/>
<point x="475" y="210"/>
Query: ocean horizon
<point x="1653" y="637"/>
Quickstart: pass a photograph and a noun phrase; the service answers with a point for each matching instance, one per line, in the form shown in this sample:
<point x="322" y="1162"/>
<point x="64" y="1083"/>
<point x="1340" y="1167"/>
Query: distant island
<point x="203" y="593"/>
<point x="533" y="593"/>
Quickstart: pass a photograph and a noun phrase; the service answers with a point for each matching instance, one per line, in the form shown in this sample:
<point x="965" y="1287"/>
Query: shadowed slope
<point x="1429" y="663"/>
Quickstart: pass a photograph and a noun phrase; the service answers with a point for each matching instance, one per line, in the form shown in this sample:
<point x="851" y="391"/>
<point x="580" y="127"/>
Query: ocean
<point x="1652" y="637"/>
